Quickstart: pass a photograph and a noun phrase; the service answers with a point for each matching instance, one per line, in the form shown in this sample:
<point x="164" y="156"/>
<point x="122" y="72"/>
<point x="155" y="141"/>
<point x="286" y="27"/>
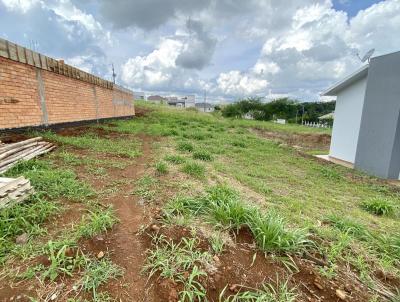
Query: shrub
<point x="378" y="206"/>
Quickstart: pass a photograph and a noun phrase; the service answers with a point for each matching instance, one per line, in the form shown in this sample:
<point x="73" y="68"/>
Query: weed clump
<point x="202" y="155"/>
<point x="223" y="207"/>
<point x="348" y="226"/>
<point x="175" y="159"/>
<point x="49" y="181"/>
<point x="185" y="147"/>
<point x="96" y="222"/>
<point x="194" y="169"/>
<point x="182" y="262"/>
<point x="378" y="206"/>
<point x="161" y="168"/>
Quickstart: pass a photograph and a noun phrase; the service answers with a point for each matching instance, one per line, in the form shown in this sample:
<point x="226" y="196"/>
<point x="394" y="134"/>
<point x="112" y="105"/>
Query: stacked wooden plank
<point x="14" y="190"/>
<point x="10" y="154"/>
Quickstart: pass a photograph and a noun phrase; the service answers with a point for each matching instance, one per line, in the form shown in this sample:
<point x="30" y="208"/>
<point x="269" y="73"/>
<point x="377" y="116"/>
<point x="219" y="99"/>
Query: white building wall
<point x="346" y="126"/>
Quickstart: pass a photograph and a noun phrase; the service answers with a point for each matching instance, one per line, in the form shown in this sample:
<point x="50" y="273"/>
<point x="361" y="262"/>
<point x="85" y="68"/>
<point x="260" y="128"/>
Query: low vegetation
<point x="221" y="199"/>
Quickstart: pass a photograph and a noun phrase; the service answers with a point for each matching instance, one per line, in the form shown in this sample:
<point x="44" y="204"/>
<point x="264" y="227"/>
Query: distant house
<point x="139" y="95"/>
<point x="366" y="128"/>
<point x="328" y="116"/>
<point x="190" y="101"/>
<point x="156" y="99"/>
<point x="204" y="107"/>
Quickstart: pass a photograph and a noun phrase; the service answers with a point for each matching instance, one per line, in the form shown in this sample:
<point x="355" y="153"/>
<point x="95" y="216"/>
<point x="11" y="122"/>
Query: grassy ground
<point x="211" y="178"/>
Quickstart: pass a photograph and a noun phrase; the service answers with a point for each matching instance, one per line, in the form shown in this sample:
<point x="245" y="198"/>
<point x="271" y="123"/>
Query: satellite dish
<point x="367" y="56"/>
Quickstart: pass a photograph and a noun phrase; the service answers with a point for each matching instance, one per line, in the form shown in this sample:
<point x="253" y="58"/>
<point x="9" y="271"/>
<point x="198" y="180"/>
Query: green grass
<point x="98" y="221"/>
<point x="194" y="169"/>
<point x="202" y="155"/>
<point x="175" y="159"/>
<point x="301" y="190"/>
<point x="267" y="293"/>
<point x="222" y="207"/>
<point x="182" y="262"/>
<point x="50" y="181"/>
<point x="185" y="147"/>
<point x="26" y="218"/>
<point x="97" y="273"/>
<point x="378" y="206"/>
<point x="91" y="141"/>
<point x="161" y="167"/>
<point x="271" y="234"/>
<point x="61" y="263"/>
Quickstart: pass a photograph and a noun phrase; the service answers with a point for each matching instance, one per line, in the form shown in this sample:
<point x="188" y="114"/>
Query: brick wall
<point x="33" y="96"/>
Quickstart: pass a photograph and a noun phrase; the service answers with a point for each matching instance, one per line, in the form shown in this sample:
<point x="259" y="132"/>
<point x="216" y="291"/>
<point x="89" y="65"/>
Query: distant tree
<point x="284" y="108"/>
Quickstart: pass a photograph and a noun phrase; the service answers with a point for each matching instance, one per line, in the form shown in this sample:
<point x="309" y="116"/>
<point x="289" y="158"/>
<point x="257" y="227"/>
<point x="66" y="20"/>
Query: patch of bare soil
<point x="242" y="267"/>
<point x="301" y="141"/>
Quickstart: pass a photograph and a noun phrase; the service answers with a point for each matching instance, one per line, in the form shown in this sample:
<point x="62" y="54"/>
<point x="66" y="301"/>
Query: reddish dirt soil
<point x="242" y="267"/>
<point x="299" y="141"/>
<point x="126" y="245"/>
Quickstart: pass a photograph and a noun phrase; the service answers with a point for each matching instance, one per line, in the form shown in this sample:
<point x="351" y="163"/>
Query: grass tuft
<point x="96" y="222"/>
<point x="194" y="169"/>
<point x="202" y="155"/>
<point x="267" y="293"/>
<point x="271" y="234"/>
<point x="185" y="146"/>
<point x="50" y="181"/>
<point x="378" y="206"/>
<point x="161" y="168"/>
<point x="175" y="159"/>
<point x="97" y="273"/>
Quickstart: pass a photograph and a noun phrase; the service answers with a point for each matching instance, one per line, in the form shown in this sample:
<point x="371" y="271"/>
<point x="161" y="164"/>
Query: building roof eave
<point x="347" y="81"/>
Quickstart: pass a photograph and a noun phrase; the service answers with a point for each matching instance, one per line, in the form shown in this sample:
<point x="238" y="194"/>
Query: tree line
<point x="284" y="108"/>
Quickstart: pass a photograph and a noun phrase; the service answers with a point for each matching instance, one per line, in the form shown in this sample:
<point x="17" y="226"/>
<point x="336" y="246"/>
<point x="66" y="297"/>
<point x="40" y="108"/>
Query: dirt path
<point x="124" y="244"/>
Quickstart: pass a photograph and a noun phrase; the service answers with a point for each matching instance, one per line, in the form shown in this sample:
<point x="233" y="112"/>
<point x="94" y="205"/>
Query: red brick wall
<point x="66" y="99"/>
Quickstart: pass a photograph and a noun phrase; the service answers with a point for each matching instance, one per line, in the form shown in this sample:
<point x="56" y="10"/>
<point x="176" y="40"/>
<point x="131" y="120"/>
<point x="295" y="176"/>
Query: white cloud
<point x="19" y="5"/>
<point x="236" y="83"/>
<point x="155" y="69"/>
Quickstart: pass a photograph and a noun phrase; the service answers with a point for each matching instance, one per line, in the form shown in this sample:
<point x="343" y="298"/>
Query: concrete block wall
<point x="35" y="96"/>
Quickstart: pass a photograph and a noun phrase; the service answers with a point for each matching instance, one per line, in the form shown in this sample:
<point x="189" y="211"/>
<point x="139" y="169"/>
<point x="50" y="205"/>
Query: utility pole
<point x="205" y="99"/>
<point x="114" y="75"/>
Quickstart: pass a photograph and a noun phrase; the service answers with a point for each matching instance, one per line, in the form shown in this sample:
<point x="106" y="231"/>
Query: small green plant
<point x="267" y="293"/>
<point x="348" y="226"/>
<point x="50" y="181"/>
<point x="194" y="169"/>
<point x="96" y="222"/>
<point x="217" y="243"/>
<point x="24" y="218"/>
<point x="378" y="206"/>
<point x="271" y="234"/>
<point x="175" y="260"/>
<point x="185" y="146"/>
<point x="202" y="155"/>
<point x="239" y="144"/>
<point x="175" y="159"/>
<point x="98" y="272"/>
<point x="193" y="290"/>
<point x="161" y="167"/>
<point x="62" y="261"/>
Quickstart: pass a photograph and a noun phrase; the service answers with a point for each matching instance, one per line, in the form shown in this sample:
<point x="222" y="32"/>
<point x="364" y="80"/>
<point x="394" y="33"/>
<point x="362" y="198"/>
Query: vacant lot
<point x="176" y="205"/>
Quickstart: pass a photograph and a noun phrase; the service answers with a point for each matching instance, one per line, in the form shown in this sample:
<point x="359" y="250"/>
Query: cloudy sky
<point x="230" y="48"/>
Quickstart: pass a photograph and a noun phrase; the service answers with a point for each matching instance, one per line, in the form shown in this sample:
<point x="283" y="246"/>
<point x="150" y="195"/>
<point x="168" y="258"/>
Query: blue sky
<point x="352" y="7"/>
<point x="231" y="48"/>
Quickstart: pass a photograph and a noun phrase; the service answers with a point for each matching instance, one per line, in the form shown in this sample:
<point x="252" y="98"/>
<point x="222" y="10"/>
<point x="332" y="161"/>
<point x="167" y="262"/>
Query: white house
<point x="366" y="129"/>
<point x="205" y="107"/>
